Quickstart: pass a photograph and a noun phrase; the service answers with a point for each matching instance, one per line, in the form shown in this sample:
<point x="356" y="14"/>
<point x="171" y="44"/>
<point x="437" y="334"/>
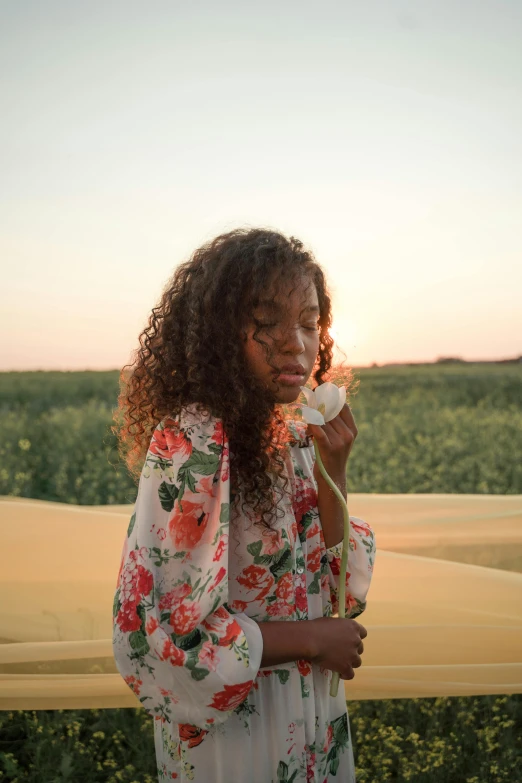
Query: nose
<point x="292" y="342"/>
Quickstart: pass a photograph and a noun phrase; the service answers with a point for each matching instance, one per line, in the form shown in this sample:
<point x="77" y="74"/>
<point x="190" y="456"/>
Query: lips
<point x="292" y="369"/>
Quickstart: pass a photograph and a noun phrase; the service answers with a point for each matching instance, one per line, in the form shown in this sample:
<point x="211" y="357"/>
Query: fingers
<point x="343" y="425"/>
<point x="363" y="633"/>
<point x="320" y="433"/>
<point x="347" y="416"/>
<point x="356" y="662"/>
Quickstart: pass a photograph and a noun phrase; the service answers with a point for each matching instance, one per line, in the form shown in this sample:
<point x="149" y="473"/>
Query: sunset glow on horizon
<point x="385" y="136"/>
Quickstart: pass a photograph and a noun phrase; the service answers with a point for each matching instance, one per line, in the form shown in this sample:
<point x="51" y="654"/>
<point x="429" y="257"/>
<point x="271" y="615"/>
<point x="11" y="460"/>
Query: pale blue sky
<point x="385" y="134"/>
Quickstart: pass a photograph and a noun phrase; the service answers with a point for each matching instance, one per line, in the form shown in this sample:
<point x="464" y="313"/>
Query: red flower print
<point x="279" y="609"/>
<point x="285" y="587"/>
<point x="145" y="582"/>
<point x="170" y="694"/>
<point x="232" y="631"/>
<point x="185" y="618"/>
<point x="191" y="734"/>
<point x="127" y="618"/>
<point x="178" y="443"/>
<point x="271" y="542"/>
<point x="173" y="654"/>
<point x="304" y="667"/>
<point x="238" y="606"/>
<point x="310" y="767"/>
<point x="135" y="581"/>
<point x="301" y="601"/>
<point x="223" y="625"/>
<point x="225" y="474"/>
<point x="335" y="566"/>
<point x="133" y="683"/>
<point x="220" y="548"/>
<point x="329" y="735"/>
<point x="305" y="498"/>
<point x="363" y="528"/>
<point x="313" y="530"/>
<point x="174" y="596"/>
<point x="208" y="656"/>
<point x="187" y="527"/>
<point x="350" y="602"/>
<point x="254" y="577"/>
<point x="231" y="696"/>
<point x="313" y="561"/>
<point x="151" y="625"/>
<point x="218" y="435"/>
<point x="219" y="576"/>
<point x="217" y="621"/>
<point x="170" y="440"/>
<point x="161" y="533"/>
<point x="220" y="438"/>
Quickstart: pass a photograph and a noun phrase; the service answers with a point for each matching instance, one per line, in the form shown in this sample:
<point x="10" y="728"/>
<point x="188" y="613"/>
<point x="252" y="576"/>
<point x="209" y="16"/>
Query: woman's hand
<point x="336" y="644"/>
<point x="335" y="440"/>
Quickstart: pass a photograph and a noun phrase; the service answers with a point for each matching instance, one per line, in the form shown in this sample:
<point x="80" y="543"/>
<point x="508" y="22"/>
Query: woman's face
<point x="289" y="328"/>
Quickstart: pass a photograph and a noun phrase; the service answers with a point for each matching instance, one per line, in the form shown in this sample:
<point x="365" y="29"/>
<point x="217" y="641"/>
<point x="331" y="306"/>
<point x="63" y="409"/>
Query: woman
<point x="229" y="576"/>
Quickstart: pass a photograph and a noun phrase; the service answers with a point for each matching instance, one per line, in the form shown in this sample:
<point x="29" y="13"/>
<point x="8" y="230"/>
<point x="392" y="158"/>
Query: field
<point x="427" y="429"/>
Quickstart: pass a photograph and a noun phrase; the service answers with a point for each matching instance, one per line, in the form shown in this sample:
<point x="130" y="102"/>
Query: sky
<point x="386" y="135"/>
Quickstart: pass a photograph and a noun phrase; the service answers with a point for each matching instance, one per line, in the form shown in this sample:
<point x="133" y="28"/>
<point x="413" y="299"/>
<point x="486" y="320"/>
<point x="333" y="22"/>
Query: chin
<point x="287" y="394"/>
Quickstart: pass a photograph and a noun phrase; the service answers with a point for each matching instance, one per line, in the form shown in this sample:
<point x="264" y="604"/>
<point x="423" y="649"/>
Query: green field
<point x="454" y="428"/>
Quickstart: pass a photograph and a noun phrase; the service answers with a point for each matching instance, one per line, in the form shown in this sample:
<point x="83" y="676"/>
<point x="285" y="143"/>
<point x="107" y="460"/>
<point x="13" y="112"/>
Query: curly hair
<point x="191" y="352"/>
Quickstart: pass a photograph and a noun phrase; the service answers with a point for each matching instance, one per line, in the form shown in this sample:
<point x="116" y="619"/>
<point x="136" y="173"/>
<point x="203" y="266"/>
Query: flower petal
<point x="311" y="415"/>
<point x="327" y="394"/>
<point x="310" y="397"/>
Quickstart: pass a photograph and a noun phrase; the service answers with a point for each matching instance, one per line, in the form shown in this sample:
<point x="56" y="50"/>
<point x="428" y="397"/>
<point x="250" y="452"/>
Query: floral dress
<point x="187" y="605"/>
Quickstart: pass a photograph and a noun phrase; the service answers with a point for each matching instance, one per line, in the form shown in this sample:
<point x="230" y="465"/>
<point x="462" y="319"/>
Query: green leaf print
<point x="189" y="641"/>
<point x="138" y="642"/>
<point x="131" y="525"/>
<point x="140" y="611"/>
<point x="306" y="521"/>
<point x="333" y="760"/>
<point x="199" y="462"/>
<point x="340" y="730"/>
<point x="215" y="448"/>
<point x="282" y="564"/>
<point x="167" y="495"/>
<point x="255" y="548"/>
<point x="224" y="515"/>
<point x="282" y="773"/>
<point x="283" y="675"/>
<point x="116" y="606"/>
<point x="315" y="585"/>
<point x="199" y="674"/>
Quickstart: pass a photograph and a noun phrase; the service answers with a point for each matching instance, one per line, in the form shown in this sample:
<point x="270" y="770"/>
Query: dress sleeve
<point x="175" y="643"/>
<point x="359" y="569"/>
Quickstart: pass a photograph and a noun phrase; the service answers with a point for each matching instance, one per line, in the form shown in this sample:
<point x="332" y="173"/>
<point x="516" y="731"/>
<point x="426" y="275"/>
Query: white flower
<point x="324" y="403"/>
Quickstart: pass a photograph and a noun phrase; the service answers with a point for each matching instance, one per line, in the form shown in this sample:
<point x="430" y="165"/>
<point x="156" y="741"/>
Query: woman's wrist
<point x="286" y="641"/>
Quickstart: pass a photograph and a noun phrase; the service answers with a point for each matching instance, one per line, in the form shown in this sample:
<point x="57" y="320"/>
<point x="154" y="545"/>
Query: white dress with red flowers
<point x="188" y="601"/>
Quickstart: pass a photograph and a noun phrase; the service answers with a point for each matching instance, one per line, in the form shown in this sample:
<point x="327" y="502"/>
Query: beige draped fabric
<point x="444" y="614"/>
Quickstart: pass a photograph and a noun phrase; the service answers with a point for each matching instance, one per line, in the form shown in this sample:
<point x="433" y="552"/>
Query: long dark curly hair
<point x="191" y="352"/>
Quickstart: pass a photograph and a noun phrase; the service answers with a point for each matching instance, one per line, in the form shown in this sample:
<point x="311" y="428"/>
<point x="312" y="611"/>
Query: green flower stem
<point x="334" y="685"/>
